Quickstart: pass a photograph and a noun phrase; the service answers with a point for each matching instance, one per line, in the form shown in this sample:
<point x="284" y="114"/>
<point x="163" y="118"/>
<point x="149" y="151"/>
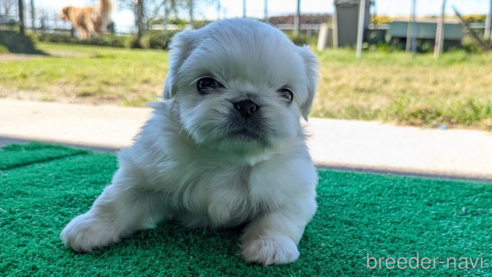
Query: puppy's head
<point x="240" y="85"/>
<point x="65" y="13"/>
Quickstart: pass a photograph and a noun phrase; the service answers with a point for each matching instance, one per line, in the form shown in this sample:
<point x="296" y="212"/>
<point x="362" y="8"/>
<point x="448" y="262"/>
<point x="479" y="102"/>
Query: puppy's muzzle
<point x="246" y="107"/>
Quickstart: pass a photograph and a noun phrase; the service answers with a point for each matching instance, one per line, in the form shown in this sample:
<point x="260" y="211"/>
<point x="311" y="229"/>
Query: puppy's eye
<point x="204" y="85"/>
<point x="286" y="93"/>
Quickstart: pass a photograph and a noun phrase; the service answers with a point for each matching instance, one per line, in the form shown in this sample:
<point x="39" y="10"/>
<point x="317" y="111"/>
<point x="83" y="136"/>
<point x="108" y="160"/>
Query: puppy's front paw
<point x="270" y="250"/>
<point x="86" y="233"/>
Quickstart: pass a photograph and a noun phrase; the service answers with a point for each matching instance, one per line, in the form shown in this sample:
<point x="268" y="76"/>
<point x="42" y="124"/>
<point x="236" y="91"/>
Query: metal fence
<point x="31" y="15"/>
<point x="128" y="18"/>
<point x="132" y="18"/>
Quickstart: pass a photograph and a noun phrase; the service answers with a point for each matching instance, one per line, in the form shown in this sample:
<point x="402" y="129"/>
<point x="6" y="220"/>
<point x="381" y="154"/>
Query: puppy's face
<point x="65" y="13"/>
<point x="240" y="86"/>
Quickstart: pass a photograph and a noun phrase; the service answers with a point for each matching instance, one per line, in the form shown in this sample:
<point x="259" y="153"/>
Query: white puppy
<point x="225" y="147"/>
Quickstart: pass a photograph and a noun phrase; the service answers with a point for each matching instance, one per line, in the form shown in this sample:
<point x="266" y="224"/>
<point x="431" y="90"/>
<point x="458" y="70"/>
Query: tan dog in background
<point x="89" y="21"/>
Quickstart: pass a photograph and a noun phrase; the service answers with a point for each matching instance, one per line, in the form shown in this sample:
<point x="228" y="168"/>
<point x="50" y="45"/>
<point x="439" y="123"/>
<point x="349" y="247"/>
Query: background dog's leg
<point x="273" y="238"/>
<point x="90" y="29"/>
<point x="120" y="210"/>
<point x="82" y="33"/>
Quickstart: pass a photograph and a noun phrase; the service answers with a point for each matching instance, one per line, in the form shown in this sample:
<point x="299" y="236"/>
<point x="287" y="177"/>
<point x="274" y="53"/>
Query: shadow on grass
<point x="18" y="44"/>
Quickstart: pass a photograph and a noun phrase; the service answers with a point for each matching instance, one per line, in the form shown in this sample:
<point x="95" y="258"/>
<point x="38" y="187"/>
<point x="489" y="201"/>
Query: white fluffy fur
<point x="185" y="166"/>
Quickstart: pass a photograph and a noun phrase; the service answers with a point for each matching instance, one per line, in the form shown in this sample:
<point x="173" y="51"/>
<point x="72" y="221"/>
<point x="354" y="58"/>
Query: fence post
<point x="360" y="29"/>
<point x="438" y="46"/>
<point x="488" y="18"/>
<point x="139" y="18"/>
<point x="33" y="15"/>
<point x="265" y="11"/>
<point x="297" y="19"/>
<point x="244" y="8"/>
<point x="192" y="20"/>
<point x="21" y="17"/>
<point x="166" y="15"/>
<point x="410" y="27"/>
<point x="414" y="28"/>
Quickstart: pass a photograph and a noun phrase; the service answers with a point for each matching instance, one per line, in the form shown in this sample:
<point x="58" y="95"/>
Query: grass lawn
<point x="455" y="90"/>
<point x="86" y="74"/>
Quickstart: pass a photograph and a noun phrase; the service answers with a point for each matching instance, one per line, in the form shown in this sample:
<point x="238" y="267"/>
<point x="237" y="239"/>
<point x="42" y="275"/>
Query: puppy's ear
<point x="181" y="46"/>
<point x="311" y="67"/>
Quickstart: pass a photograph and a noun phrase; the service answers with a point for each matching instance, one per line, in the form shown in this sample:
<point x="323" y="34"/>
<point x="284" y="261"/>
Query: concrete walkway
<point x="338" y="144"/>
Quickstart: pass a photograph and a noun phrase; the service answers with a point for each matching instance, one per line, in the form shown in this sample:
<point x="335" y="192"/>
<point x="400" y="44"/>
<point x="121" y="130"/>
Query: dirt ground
<point x="37" y="96"/>
<point x="12" y="57"/>
<point x="18" y="57"/>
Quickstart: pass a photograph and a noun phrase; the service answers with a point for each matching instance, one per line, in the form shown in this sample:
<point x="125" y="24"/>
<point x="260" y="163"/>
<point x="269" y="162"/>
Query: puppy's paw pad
<point x="86" y="233"/>
<point x="270" y="250"/>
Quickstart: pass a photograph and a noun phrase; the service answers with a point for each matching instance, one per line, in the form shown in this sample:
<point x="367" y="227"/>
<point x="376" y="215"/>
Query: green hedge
<point x="150" y="40"/>
<point x="11" y="41"/>
<point x="156" y="40"/>
<point x="109" y="40"/>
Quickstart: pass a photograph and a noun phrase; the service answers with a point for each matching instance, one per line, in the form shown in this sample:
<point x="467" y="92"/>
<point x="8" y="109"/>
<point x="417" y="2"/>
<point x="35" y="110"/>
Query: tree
<point x="139" y="14"/>
<point x="191" y="5"/>
<point x="7" y="7"/>
<point x="152" y="11"/>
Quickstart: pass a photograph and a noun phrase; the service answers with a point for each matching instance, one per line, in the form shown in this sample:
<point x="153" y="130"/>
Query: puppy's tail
<point x="106" y="7"/>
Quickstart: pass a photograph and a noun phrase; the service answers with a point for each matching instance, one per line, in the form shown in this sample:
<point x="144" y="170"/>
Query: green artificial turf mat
<point x="15" y="155"/>
<point x="42" y="187"/>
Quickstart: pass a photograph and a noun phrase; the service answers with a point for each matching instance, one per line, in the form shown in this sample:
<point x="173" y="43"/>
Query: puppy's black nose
<point x="246" y="107"/>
